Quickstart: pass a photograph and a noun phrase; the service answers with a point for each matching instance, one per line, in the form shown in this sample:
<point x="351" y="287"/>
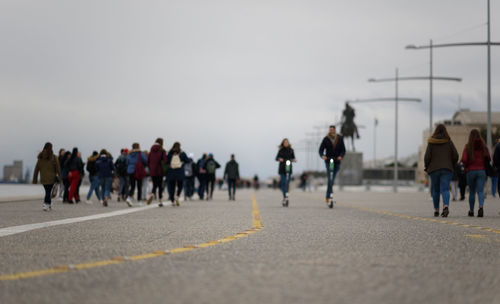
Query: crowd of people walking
<point x="62" y="175"/>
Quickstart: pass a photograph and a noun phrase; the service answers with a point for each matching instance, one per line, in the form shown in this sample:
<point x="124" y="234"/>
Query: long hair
<point x="74" y="153"/>
<point x="441" y="132"/>
<point x="159" y="141"/>
<point x="46" y="152"/>
<point x="475" y="136"/>
<point x="176" y="148"/>
<point x="282" y="145"/>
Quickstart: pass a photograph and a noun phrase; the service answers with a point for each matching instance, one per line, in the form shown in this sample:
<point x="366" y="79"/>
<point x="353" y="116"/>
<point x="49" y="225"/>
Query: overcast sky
<point x="228" y="76"/>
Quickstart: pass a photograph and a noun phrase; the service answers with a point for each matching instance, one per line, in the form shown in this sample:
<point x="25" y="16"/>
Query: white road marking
<point x="24" y="228"/>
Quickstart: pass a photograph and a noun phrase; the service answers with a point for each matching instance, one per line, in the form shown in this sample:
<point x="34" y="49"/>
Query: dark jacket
<point x="496" y="156"/>
<point x="121" y="165"/>
<point x="156" y="155"/>
<point x="74" y="164"/>
<point x="91" y="168"/>
<point x="49" y="169"/>
<point x="440" y="154"/>
<point x="178" y="173"/>
<point x="286" y="154"/>
<point x="232" y="171"/>
<point x="104" y="166"/>
<point x="332" y="149"/>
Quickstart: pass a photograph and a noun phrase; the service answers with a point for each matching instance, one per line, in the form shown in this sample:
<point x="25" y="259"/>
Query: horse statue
<point x="349" y="128"/>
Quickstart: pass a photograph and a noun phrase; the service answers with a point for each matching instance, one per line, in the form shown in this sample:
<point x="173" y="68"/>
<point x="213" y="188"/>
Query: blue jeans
<point x="284" y="181"/>
<point x="440" y="181"/>
<point x="494" y="184"/>
<point x="331" y="180"/>
<point x="94" y="185"/>
<point x="476" y="180"/>
<point x="105" y="183"/>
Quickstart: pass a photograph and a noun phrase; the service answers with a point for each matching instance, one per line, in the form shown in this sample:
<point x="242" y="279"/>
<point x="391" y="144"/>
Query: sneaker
<point x="160" y="204"/>
<point x="89" y="202"/>
<point x="129" y="202"/>
<point x="150" y="199"/>
<point x="105" y="203"/>
<point x="480" y="212"/>
<point x="436" y="213"/>
<point x="173" y="204"/>
<point x="46" y="207"/>
<point x="59" y="199"/>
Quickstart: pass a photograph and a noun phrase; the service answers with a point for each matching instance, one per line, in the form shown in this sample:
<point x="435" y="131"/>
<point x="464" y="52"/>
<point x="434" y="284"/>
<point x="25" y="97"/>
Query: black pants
<point x="210" y="185"/>
<point x="133" y="180"/>
<point x="48" y="192"/>
<point x="66" y="189"/>
<point x="231" y="187"/>
<point x="462" y="184"/>
<point x="189" y="186"/>
<point x="158" y="184"/>
<point x="171" y="188"/>
<point x="202" y="178"/>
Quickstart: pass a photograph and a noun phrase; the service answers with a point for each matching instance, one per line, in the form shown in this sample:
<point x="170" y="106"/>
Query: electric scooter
<point x="330" y="200"/>
<point x="288" y="168"/>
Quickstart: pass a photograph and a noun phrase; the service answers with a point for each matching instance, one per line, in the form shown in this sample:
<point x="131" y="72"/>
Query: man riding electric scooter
<point x="331" y="150"/>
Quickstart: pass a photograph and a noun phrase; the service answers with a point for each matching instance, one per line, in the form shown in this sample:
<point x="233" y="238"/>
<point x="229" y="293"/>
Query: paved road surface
<point x="371" y="248"/>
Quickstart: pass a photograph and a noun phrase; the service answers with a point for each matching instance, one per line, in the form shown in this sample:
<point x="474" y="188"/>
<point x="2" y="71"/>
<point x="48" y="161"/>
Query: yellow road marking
<point x="497" y="231"/>
<point x="256" y="226"/>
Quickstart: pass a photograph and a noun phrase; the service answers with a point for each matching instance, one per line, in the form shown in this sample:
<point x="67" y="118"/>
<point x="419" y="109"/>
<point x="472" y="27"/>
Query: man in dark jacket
<point x="211" y="165"/>
<point x="232" y="173"/>
<point x="332" y="149"/>
<point x="93" y="178"/>
<point x="202" y="176"/>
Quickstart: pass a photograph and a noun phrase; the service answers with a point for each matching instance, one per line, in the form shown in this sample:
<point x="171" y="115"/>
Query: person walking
<point x="462" y="179"/>
<point x="332" y="149"/>
<point x="440" y="160"/>
<point x="145" y="180"/>
<point x="61" y="158"/>
<point x="176" y="158"/>
<point x="202" y="176"/>
<point x="136" y="162"/>
<point x="47" y="165"/>
<point x="474" y="156"/>
<point x="211" y="165"/>
<point x="496" y="163"/>
<point x="105" y="169"/>
<point x="74" y="165"/>
<point x="189" y="173"/>
<point x="232" y="175"/>
<point x="454" y="183"/>
<point x="93" y="177"/>
<point x="157" y="162"/>
<point x="121" y="172"/>
<point x="64" y="176"/>
<point x="285" y="153"/>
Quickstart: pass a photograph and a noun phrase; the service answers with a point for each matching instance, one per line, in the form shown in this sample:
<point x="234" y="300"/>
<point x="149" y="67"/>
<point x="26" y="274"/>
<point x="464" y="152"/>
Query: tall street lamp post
<point x="488" y="45"/>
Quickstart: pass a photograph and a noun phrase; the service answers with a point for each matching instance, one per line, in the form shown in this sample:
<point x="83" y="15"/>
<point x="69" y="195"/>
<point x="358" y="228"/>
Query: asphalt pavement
<point x="370" y="248"/>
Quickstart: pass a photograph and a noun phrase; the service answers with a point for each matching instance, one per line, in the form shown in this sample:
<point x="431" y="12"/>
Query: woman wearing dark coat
<point x="440" y="160"/>
<point x="48" y="167"/>
<point x="285" y="153"/>
<point x="74" y="165"/>
<point x="156" y="156"/>
<point x="176" y="158"/>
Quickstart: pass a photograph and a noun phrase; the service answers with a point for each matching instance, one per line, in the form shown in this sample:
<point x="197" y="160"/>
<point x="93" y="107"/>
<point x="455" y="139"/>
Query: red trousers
<point x="74" y="178"/>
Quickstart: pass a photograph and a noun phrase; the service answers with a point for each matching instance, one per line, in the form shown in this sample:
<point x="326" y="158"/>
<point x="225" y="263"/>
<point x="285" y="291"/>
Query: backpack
<point x="140" y="171"/>
<point x="211" y="167"/>
<point x="188" y="169"/>
<point x="121" y="166"/>
<point x="176" y="162"/>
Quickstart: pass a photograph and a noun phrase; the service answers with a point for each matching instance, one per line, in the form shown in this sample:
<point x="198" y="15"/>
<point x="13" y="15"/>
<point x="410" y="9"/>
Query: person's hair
<point x="61" y="151"/>
<point x="232" y="156"/>
<point x="103" y="152"/>
<point x="176" y="147"/>
<point x="121" y="151"/>
<point x="159" y="141"/>
<point x="283" y="142"/>
<point x="441" y="132"/>
<point x="135" y="146"/>
<point x="74" y="153"/>
<point x="474" y="135"/>
<point x="332" y="126"/>
<point x="46" y="152"/>
<point x="95" y="153"/>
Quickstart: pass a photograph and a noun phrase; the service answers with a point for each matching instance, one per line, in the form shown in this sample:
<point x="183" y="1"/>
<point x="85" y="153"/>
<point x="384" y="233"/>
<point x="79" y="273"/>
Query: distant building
<point x="458" y="127"/>
<point x="13" y="173"/>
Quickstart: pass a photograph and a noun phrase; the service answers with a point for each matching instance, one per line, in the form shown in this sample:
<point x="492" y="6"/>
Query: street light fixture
<point x="488" y="45"/>
<point x="396" y="100"/>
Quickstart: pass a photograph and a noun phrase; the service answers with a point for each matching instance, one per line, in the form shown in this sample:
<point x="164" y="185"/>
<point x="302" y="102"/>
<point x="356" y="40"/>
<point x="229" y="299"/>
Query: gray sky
<point x="229" y="76"/>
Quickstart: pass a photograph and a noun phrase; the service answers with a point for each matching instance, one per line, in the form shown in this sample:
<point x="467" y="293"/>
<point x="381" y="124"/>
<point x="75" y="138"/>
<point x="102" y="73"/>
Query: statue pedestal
<point x="351" y="170"/>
